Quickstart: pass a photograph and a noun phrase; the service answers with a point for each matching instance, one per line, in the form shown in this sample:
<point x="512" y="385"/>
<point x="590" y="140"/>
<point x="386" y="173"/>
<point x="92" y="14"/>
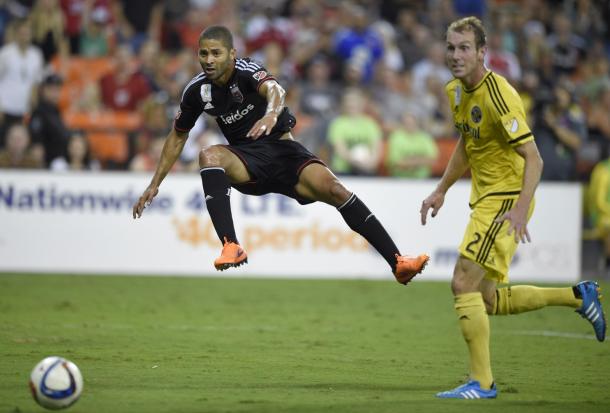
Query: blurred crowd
<point x="95" y="84"/>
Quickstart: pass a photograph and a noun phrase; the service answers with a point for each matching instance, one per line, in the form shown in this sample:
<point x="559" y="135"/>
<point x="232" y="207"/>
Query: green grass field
<point x="187" y="345"/>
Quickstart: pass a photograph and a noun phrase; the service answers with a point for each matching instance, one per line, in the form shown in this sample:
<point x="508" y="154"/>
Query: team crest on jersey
<point x="206" y="92"/>
<point x="476" y="114"/>
<point x="236" y="93"/>
<point x="260" y="75"/>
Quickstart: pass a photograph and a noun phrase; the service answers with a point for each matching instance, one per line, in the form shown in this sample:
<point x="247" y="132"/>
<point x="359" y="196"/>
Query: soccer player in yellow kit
<point x="499" y="148"/>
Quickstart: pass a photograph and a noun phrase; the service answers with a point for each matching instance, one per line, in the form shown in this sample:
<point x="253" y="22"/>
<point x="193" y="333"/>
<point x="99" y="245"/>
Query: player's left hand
<point x="518" y="224"/>
<point x="262" y="127"/>
<point x="144" y="201"/>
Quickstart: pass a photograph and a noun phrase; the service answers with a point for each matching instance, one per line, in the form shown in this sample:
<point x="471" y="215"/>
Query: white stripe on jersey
<point x="246" y="69"/>
<point x="250" y="63"/>
<point x="247" y="66"/>
<point x="193" y="80"/>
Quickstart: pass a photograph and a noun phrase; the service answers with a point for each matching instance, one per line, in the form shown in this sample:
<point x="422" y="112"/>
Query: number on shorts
<point x="477" y="238"/>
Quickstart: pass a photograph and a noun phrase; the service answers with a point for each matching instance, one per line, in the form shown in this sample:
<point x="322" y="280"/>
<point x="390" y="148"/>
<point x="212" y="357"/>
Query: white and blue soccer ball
<point x="56" y="383"/>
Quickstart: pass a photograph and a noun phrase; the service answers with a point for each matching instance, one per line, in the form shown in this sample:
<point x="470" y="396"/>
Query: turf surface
<point x="182" y="345"/>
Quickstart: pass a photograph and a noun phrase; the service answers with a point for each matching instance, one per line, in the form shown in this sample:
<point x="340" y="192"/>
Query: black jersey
<point x="236" y="106"/>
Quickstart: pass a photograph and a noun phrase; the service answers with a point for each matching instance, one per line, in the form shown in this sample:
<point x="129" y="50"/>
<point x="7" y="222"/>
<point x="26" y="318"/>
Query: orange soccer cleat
<point x="232" y="255"/>
<point x="408" y="267"/>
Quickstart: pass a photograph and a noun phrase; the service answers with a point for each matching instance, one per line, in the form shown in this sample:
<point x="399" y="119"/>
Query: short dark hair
<point x="218" y="33"/>
<point x="472" y="24"/>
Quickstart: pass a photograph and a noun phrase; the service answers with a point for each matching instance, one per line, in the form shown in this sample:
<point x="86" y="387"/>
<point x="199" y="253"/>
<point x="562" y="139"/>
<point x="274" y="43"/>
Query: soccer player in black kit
<point x="261" y="157"/>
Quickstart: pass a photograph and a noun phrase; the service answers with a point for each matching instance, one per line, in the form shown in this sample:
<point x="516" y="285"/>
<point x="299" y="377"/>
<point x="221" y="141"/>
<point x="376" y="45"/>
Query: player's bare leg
<point x="488" y="291"/>
<point x="318" y="183"/>
<point x="220" y="167"/>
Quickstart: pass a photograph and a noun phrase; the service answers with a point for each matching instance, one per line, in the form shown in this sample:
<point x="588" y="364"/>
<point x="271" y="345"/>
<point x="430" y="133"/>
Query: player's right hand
<point x="435" y="201"/>
<point x="144" y="201"/>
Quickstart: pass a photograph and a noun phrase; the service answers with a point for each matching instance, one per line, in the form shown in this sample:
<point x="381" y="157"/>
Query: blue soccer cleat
<point x="470" y="390"/>
<point x="592" y="308"/>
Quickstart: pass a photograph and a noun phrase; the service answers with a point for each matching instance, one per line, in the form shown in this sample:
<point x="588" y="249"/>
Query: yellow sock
<point x="474" y="323"/>
<point x="522" y="298"/>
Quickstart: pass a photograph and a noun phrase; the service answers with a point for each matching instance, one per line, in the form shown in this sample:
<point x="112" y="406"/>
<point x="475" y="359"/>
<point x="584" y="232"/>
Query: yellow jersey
<point x="491" y="120"/>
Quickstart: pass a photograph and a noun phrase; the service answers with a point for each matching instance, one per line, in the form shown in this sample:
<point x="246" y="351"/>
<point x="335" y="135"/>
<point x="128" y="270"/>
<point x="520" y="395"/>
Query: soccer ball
<point x="56" y="383"/>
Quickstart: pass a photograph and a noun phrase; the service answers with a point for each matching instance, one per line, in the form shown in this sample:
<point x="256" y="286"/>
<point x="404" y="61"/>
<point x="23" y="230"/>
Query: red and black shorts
<point x="274" y="166"/>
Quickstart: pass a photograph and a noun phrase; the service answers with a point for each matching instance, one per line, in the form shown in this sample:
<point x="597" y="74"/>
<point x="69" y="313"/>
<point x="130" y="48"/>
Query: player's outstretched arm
<point x="171" y="150"/>
<point x="531" y="177"/>
<point x="275" y="95"/>
<point x="458" y="164"/>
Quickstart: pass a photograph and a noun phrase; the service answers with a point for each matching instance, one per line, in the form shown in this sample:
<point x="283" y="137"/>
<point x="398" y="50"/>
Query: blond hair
<point x="472" y="24"/>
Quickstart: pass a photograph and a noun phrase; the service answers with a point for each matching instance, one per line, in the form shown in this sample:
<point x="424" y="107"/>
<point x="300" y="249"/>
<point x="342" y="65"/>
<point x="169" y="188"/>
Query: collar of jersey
<point x="478" y="85"/>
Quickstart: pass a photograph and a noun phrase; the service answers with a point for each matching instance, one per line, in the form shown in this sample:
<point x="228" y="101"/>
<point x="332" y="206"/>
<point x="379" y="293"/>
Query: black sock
<point x="362" y="221"/>
<point x="217" y="189"/>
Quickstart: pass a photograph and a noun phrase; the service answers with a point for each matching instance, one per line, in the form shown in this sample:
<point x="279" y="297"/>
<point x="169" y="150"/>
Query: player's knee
<point x="490" y="302"/>
<point x="458" y="286"/>
<point x="464" y="280"/>
<point x="337" y="191"/>
<point x="209" y="157"/>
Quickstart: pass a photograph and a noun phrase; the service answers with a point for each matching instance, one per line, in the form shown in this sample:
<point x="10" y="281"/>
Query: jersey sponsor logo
<point x="476" y="114"/>
<point x="208" y="106"/>
<point x="260" y="75"/>
<point x="206" y="92"/>
<point x="237" y="115"/>
<point x="236" y="93"/>
<point x="465" y="129"/>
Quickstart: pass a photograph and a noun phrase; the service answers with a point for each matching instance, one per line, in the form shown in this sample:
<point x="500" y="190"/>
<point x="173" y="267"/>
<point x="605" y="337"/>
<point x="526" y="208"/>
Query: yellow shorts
<point x="487" y="242"/>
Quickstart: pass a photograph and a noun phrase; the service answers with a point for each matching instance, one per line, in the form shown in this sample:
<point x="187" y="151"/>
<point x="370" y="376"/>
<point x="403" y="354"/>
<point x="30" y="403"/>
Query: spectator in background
<point x="432" y="65"/>
<point x="392" y="97"/>
<point x="392" y="57"/>
<point x="319" y="94"/>
<point x="125" y="87"/>
<point x="267" y="26"/>
<point x="309" y="30"/>
<point x="78" y="158"/>
<point x="560" y="131"/>
<point x="152" y="65"/>
<point x="18" y="153"/>
<point x="355" y="137"/>
<point x="358" y="46"/>
<point x="21" y="69"/>
<point x="155" y="122"/>
<point x="411" y="150"/>
<point x="533" y="44"/>
<point x="95" y="37"/>
<point x="501" y="61"/>
<point x="147" y="161"/>
<point x="274" y="59"/>
<point x="437" y="117"/>
<point x="139" y="21"/>
<point x="73" y="11"/>
<point x="412" y="38"/>
<point x="48" y="27"/>
<point x="587" y="17"/>
<point x="46" y="125"/>
<point x="5" y="17"/>
<point x="566" y="47"/>
<point x="598" y="120"/>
